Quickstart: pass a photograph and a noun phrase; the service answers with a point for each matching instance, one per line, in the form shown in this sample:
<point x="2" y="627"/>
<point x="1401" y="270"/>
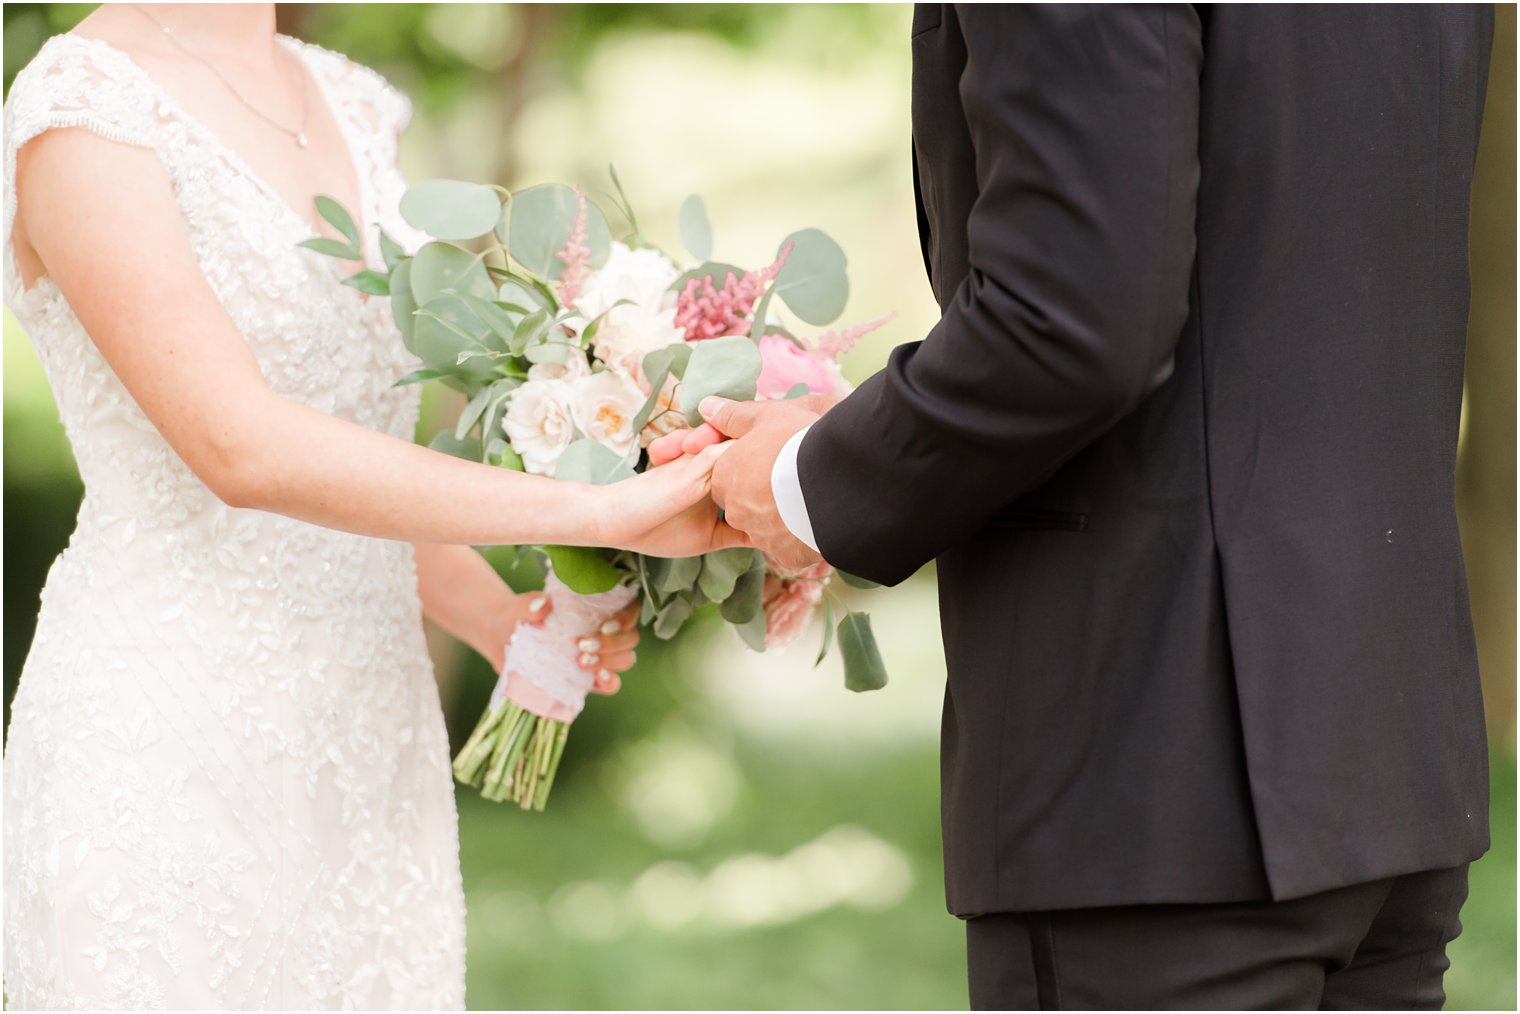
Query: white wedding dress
<point x="227" y="779"/>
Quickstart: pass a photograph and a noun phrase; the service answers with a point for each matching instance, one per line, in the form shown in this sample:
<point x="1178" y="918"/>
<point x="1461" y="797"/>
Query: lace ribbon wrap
<point x="547" y="657"/>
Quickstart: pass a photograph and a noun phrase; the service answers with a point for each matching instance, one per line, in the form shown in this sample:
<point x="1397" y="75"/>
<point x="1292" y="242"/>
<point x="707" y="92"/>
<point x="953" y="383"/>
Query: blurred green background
<point x="736" y="830"/>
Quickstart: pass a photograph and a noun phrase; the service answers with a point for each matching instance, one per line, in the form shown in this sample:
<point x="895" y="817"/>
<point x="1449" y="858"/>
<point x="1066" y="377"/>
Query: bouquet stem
<point x="513" y="754"/>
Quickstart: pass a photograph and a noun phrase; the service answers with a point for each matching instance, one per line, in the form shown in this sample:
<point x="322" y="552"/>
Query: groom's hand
<point x="741" y="483"/>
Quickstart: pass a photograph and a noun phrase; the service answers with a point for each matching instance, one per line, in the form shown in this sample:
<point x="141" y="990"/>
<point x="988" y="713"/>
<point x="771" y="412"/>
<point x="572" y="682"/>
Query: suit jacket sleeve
<point x="1084" y="124"/>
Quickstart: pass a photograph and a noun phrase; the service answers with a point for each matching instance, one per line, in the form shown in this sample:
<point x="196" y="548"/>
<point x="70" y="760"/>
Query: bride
<point x="227" y="779"/>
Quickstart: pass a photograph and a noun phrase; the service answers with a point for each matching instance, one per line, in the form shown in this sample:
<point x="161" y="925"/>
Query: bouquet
<point x="576" y="350"/>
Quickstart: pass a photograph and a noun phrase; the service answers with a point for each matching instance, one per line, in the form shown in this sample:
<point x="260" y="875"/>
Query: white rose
<point x="603" y="406"/>
<point x="538" y="423"/>
<point x="640" y="276"/>
<point x="573" y="368"/>
<point x="629" y="333"/>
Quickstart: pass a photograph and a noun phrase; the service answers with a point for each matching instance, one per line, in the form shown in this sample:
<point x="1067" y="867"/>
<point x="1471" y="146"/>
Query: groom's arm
<point x="1084" y="124"/>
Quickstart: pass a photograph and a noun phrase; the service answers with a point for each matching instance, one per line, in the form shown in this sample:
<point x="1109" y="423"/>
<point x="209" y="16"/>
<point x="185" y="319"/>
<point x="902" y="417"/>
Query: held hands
<point x="667" y="511"/>
<point x="741" y="480"/>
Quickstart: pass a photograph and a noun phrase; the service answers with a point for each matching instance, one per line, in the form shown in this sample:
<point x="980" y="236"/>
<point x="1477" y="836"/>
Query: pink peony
<point x="791" y="602"/>
<point x="784" y="365"/>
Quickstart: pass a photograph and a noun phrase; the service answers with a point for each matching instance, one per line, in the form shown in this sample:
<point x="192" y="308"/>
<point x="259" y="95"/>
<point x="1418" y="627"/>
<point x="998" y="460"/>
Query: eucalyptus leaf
<point x="501" y="392"/>
<point x="813" y="282"/>
<point x="547" y="352"/>
<point x="658" y="366"/>
<point x="797" y="391"/>
<point x="494" y="317"/>
<point x="403" y="305"/>
<point x="587" y="461"/>
<point x="338" y="217"/>
<point x="508" y="458"/>
<point x="529" y="329"/>
<point x="446" y="442"/>
<point x="584" y="571"/>
<point x="443" y="331"/>
<point x="758" y="324"/>
<point x="451" y="209"/>
<point x="439" y="268"/>
<point x="371" y="283"/>
<point x="539" y="223"/>
<point x="863" y="668"/>
<point x="332" y="248"/>
<point x="392" y="251"/>
<point x="518" y="292"/>
<point x="828" y="632"/>
<point x="696" y="230"/>
<point x="752" y="631"/>
<point x="856" y="582"/>
<point x="679" y="574"/>
<point x="726" y="367"/>
<point x="417" y="377"/>
<point x="748" y="594"/>
<point x="722" y="569"/>
<point x="671" y="617"/>
<point x="472" y="413"/>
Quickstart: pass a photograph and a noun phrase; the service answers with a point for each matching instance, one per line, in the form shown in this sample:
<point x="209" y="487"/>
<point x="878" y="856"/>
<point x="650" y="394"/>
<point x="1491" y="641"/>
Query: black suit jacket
<point x="1183" y="444"/>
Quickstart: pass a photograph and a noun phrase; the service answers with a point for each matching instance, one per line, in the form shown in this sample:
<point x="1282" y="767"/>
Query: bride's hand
<point x="668" y="511"/>
<point x="691" y="441"/>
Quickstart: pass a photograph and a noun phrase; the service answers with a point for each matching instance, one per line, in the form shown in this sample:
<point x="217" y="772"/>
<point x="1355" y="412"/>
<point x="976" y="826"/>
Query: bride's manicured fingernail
<point x="589" y="645"/>
<point x="588" y="660"/>
<point x="537" y="605"/>
<point x="604" y="676"/>
<point x="611" y="627"/>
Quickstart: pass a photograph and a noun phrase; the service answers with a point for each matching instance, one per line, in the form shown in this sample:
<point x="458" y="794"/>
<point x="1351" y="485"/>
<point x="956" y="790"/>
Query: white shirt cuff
<point x="786" y="487"/>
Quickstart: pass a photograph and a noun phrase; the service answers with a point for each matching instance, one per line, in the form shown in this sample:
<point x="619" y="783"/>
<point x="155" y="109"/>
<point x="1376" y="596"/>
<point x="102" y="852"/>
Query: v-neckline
<point x="235" y="159"/>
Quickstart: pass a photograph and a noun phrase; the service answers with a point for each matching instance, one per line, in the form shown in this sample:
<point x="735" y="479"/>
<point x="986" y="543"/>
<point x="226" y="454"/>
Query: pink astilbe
<point x="707" y="312"/>
<point x="836" y="343"/>
<point x="576" y="256"/>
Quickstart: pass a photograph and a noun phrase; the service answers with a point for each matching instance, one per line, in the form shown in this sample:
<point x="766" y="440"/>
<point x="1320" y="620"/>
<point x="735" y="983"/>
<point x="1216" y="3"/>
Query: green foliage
<point x="813" y="282"/>
<point x="371" y="283"/>
<point x="332" y="248"/>
<point x="585" y="571"/>
<point x="447" y="442"/>
<point x="451" y="209"/>
<point x="726" y="367"/>
<point x="744" y="604"/>
<point x="721" y="571"/>
<point x="659" y="366"/>
<point x="587" y="461"/>
<point x="441" y="268"/>
<point x="540" y="221"/>
<point x="863" y="667"/>
<point x="696" y="230"/>
<point x="338" y="217"/>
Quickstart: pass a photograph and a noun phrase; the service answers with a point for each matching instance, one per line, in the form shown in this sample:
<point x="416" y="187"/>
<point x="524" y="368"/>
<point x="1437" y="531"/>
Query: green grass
<point x="565" y="913"/>
<point x="1482" y="975"/>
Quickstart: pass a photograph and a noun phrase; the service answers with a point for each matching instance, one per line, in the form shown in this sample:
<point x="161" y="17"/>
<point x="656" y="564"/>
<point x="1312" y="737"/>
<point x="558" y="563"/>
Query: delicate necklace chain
<point x="298" y="135"/>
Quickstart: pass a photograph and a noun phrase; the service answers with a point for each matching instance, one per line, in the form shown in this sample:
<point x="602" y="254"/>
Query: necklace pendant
<point x="301" y="139"/>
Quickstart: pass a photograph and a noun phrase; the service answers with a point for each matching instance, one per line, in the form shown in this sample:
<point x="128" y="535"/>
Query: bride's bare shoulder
<point x="121" y="28"/>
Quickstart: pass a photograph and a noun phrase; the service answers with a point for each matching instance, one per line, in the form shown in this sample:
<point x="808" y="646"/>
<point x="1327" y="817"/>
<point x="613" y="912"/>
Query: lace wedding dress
<point x="227" y="779"/>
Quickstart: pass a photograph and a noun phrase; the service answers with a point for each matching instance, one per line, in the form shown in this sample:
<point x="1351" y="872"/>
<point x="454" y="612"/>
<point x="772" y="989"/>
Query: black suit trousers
<point x="1373" y="946"/>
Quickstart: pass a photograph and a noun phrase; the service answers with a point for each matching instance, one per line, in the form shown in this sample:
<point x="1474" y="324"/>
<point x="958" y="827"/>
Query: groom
<point x="1183" y="446"/>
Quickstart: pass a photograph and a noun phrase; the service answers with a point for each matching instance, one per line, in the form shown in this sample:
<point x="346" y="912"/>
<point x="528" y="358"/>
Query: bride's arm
<point x="103" y="220"/>
<point x="464" y="595"/>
